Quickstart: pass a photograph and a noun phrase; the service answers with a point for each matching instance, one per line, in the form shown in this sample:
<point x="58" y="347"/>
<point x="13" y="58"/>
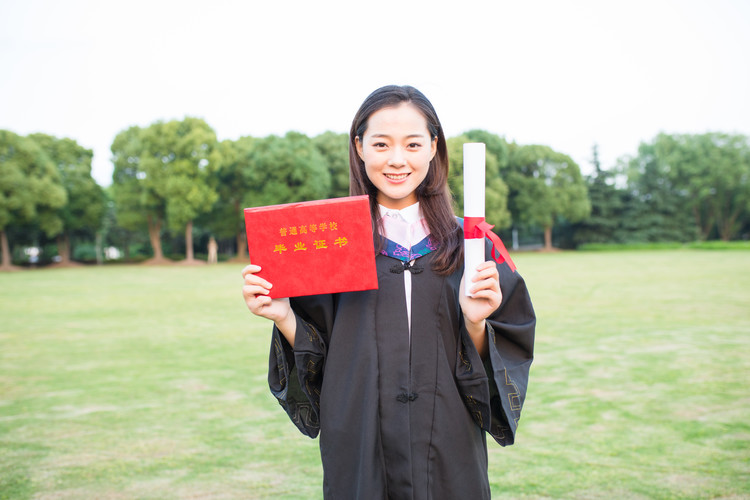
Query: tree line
<point x="175" y="184"/>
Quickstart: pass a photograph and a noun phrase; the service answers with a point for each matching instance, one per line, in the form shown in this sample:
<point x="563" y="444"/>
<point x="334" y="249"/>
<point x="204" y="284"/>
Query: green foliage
<point x="178" y="161"/>
<point x="85" y="205"/>
<point x="660" y="209"/>
<point x="226" y="218"/>
<point x="114" y="234"/>
<point x="608" y="207"/>
<point x="496" y="191"/>
<point x="679" y="188"/>
<point x="712" y="172"/>
<point x="545" y="184"/>
<point x="31" y="188"/>
<point x="165" y="172"/>
<point x="676" y="188"/>
<point x="335" y="151"/>
<point x="497" y="149"/>
<point x="285" y="170"/>
<point x="133" y="201"/>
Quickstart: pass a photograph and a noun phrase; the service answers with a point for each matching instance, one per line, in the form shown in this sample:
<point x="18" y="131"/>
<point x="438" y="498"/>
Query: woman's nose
<point x="397" y="158"/>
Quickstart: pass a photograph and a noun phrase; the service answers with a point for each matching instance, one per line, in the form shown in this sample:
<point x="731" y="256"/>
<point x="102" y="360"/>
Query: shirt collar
<point x="409" y="214"/>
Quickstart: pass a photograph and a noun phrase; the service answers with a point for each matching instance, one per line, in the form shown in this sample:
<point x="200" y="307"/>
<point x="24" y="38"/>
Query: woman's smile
<point x="396" y="177"/>
<point x="397" y="149"/>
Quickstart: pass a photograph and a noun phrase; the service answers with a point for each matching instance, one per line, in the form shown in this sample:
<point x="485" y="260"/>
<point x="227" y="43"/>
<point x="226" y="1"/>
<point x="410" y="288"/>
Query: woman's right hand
<point x="255" y="291"/>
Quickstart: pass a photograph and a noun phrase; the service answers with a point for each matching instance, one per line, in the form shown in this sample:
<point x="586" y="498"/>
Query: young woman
<point x="404" y="382"/>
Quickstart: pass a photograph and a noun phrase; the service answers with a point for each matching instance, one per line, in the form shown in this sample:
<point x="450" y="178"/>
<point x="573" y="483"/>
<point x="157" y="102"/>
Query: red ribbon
<point x="476" y="228"/>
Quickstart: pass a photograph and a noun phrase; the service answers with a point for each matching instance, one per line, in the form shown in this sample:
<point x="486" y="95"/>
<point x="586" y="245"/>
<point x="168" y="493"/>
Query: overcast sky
<point x="566" y="74"/>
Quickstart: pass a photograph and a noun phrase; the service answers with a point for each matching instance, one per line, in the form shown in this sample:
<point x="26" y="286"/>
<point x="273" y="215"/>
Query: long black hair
<point x="433" y="193"/>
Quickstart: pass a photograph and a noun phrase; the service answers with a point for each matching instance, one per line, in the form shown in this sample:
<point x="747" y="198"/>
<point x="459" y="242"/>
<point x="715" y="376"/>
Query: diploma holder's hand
<point x="255" y="291"/>
<point x="486" y="298"/>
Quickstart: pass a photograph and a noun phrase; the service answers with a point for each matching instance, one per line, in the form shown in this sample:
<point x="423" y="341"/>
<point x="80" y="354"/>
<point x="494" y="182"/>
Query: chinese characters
<point x="322" y="238"/>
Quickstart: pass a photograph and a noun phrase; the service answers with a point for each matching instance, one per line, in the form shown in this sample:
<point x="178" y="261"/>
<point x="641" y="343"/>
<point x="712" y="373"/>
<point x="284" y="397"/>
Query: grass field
<point x="143" y="382"/>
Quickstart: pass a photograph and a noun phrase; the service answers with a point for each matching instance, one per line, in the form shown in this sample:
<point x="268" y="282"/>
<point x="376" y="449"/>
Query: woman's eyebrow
<point x="410" y="136"/>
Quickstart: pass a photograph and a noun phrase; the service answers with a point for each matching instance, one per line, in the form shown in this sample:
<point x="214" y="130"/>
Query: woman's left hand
<point x="486" y="293"/>
<point x="486" y="298"/>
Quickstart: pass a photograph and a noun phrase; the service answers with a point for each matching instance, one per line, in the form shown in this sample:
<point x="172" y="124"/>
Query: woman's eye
<point x="415" y="145"/>
<point x="379" y="145"/>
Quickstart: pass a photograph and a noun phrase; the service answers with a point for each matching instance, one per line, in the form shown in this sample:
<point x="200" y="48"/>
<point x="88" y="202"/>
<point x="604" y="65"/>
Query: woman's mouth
<point x="396" y="177"/>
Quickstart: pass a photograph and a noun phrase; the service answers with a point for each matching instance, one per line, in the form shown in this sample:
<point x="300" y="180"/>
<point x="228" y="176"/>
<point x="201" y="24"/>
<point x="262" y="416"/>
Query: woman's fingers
<point x="486" y="278"/>
<point x="252" y="290"/>
<point x="486" y="270"/>
<point x="248" y="273"/>
<point x="486" y="285"/>
<point x="255" y="290"/>
<point x="250" y="268"/>
<point x="257" y="299"/>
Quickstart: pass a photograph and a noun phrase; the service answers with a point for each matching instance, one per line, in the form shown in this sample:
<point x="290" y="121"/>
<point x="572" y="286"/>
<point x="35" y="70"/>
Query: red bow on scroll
<point x="477" y="227"/>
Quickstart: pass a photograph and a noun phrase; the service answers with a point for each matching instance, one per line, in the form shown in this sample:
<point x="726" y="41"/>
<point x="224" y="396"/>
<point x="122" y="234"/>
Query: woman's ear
<point x="358" y="145"/>
<point x="433" y="148"/>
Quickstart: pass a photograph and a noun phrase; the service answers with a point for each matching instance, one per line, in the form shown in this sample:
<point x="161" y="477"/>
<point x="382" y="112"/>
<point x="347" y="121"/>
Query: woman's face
<point x="396" y="149"/>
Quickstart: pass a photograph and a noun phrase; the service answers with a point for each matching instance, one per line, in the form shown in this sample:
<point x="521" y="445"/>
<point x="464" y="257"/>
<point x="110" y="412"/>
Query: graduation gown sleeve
<point x="494" y="389"/>
<point x="298" y="390"/>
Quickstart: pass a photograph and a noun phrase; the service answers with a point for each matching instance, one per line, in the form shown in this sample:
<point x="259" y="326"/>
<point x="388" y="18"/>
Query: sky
<point x="566" y="74"/>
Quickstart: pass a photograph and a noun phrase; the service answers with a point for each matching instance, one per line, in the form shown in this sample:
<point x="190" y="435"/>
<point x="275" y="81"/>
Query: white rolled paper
<point x="474" y="154"/>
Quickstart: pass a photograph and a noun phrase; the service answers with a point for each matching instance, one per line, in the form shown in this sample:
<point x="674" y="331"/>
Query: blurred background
<point x="142" y="128"/>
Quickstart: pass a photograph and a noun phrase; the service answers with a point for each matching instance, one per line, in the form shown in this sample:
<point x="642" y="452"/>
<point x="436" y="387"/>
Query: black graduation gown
<point x="401" y="419"/>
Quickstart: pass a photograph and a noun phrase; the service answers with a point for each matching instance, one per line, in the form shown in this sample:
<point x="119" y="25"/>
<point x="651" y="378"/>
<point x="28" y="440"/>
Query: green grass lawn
<point x="122" y="382"/>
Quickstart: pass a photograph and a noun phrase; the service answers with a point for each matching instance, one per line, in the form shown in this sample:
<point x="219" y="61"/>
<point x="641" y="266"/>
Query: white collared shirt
<point x="406" y="227"/>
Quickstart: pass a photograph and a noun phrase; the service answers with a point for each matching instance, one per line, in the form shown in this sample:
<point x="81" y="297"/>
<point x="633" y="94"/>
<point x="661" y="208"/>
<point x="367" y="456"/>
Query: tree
<point x="712" y="171"/>
<point x="291" y="167"/>
<point x="85" y="207"/>
<point x="604" y="223"/>
<point x="227" y="217"/>
<point x="335" y="151"/>
<point x="496" y="191"/>
<point x="137" y="204"/>
<point x="31" y="190"/>
<point x="660" y="209"/>
<point x="545" y="185"/>
<point x="179" y="160"/>
<point x="165" y="173"/>
<point x="285" y="170"/>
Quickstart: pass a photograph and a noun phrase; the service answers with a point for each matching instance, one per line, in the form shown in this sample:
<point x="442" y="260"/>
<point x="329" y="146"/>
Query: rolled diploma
<point x="473" y="207"/>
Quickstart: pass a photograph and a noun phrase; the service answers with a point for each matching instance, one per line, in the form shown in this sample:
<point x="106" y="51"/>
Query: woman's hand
<point x="255" y="291"/>
<point x="486" y="298"/>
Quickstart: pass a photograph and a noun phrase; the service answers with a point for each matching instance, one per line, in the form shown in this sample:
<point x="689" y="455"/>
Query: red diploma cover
<point x="313" y="247"/>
